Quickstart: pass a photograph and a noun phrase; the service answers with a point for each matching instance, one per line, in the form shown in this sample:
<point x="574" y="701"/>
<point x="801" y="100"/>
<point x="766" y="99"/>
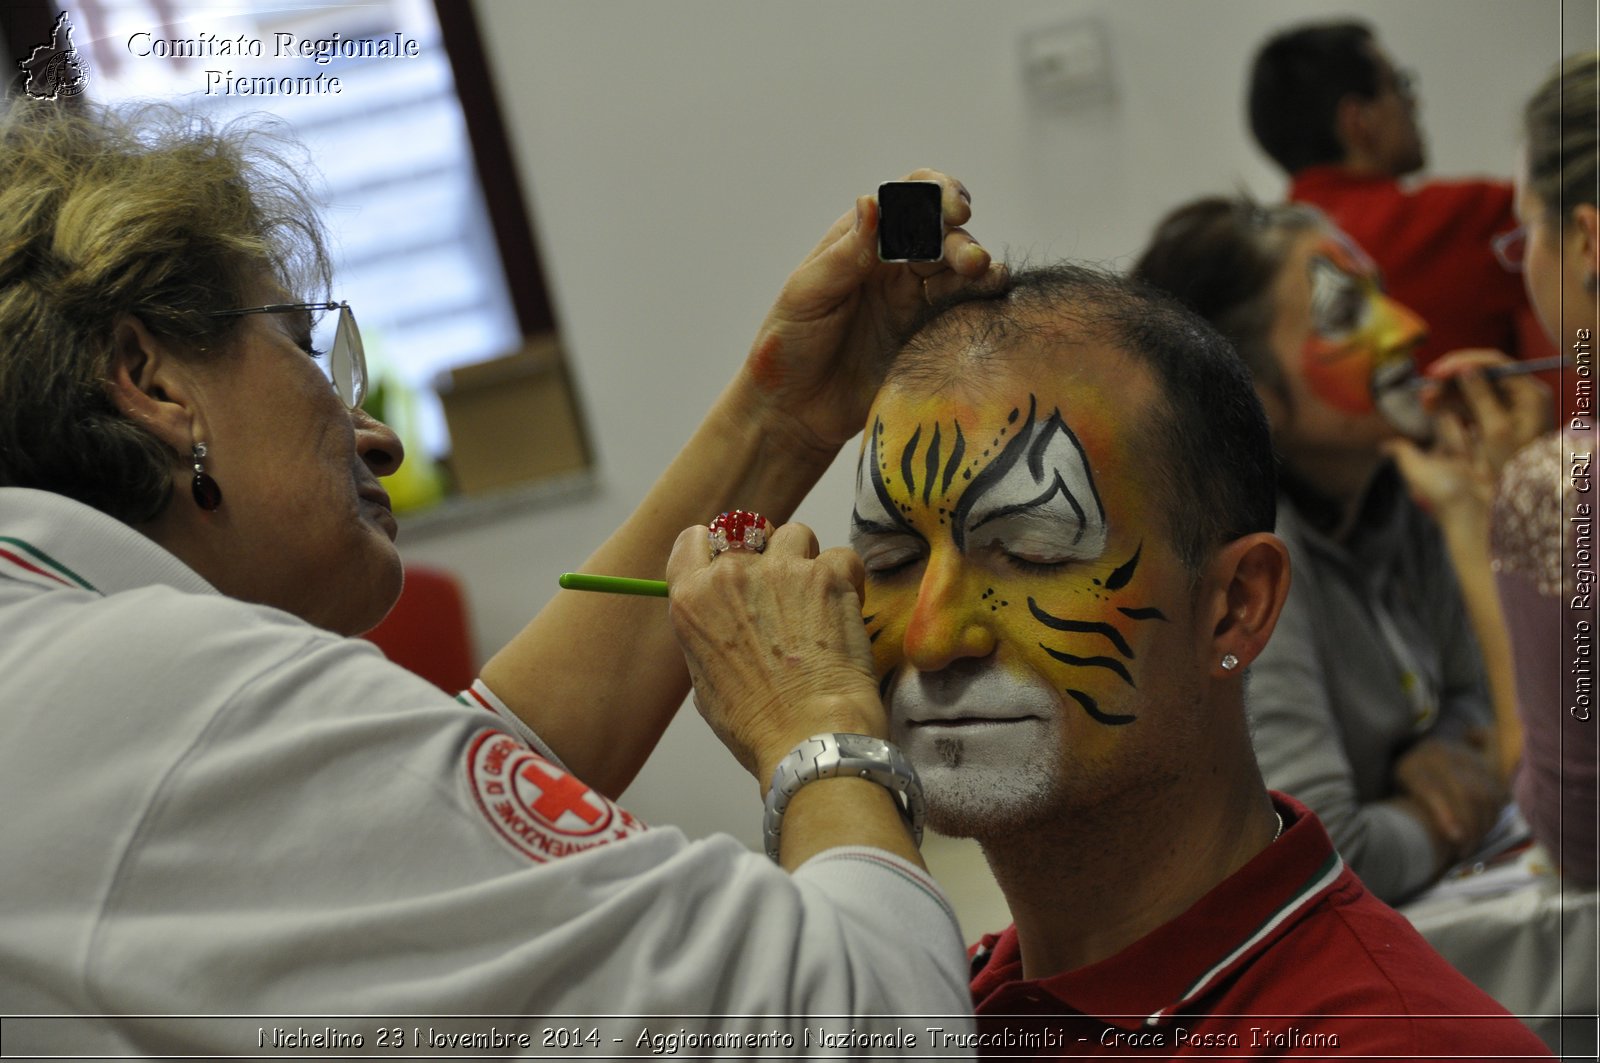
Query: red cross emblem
<point x="559" y="795"/>
<point x="536" y="806"/>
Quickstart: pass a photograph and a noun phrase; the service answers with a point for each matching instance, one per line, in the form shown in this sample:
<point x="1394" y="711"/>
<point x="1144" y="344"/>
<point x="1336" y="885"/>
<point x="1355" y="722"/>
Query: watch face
<point x="861" y="746"/>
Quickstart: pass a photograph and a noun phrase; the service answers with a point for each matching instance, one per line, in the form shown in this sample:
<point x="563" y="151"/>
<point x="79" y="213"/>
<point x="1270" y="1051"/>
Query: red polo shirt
<point x="1432" y="243"/>
<point x="1290" y="956"/>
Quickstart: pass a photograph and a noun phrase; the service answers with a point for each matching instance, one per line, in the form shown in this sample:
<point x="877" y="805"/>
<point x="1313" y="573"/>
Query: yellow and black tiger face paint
<point x="1018" y="578"/>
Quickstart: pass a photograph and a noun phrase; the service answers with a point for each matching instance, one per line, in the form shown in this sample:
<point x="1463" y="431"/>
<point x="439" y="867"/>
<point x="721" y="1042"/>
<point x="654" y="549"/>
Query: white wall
<point x="681" y="156"/>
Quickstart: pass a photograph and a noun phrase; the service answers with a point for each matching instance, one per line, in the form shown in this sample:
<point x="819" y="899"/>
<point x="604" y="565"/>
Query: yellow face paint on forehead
<point x="1361" y="341"/>
<point x="986" y="530"/>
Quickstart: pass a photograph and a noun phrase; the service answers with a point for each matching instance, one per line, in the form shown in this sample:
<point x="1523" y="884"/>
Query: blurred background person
<point x="1526" y="514"/>
<point x="1368" y="703"/>
<point x="1528" y="491"/>
<point x="1335" y="112"/>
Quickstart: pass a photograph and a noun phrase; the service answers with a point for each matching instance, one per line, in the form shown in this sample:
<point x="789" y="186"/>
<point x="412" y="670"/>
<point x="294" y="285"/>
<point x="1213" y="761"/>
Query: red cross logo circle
<point x="539" y="808"/>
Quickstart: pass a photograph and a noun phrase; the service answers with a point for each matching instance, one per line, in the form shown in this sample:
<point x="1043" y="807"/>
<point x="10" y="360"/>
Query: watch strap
<point x="831" y="756"/>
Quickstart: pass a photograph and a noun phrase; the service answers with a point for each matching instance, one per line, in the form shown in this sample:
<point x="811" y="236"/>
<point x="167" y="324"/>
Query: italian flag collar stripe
<point x="1321" y="879"/>
<point x="25" y="557"/>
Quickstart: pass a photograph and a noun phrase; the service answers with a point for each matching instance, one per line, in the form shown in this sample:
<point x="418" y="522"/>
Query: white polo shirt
<point x="215" y="808"/>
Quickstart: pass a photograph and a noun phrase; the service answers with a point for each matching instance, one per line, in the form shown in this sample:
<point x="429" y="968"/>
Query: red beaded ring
<point x="738" y="529"/>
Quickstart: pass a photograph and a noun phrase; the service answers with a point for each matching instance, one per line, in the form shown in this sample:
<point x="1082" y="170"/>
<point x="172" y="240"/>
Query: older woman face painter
<point x="238" y="809"/>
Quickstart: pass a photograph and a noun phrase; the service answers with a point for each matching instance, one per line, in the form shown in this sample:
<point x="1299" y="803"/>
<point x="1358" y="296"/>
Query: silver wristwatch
<point x="829" y="756"/>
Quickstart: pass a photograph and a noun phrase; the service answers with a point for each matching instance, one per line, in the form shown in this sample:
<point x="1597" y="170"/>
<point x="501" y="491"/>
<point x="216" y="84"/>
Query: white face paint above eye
<point x="881" y="553"/>
<point x="878" y="534"/>
<point x="1339" y="304"/>
<point x="1038" y="535"/>
<point x="1038" y="498"/>
<point x="1036" y="502"/>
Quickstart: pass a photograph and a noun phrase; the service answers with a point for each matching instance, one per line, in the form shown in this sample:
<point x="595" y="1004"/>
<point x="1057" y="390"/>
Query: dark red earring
<point x="207" y="495"/>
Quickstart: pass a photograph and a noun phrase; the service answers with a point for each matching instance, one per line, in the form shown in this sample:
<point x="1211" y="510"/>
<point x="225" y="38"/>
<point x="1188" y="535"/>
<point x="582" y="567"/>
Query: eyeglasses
<point x="347" y="359"/>
<point x="1510" y="248"/>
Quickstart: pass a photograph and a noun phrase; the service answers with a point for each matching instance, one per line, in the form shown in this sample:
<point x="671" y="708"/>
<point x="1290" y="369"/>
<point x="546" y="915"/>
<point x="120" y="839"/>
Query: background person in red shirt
<point x="1332" y="109"/>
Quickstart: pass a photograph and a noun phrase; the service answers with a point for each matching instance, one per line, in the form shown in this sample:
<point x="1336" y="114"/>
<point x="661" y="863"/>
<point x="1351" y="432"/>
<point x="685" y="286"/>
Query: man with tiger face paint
<point x="1013" y="600"/>
<point x="1063" y="508"/>
<point x="1058" y="617"/>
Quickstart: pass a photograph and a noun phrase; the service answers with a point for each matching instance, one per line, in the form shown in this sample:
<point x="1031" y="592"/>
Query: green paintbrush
<point x="582" y="581"/>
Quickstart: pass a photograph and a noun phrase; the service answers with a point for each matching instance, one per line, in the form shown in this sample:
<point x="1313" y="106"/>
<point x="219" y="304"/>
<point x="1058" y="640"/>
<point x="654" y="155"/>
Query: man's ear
<point x="1249" y="582"/>
<point x="150" y="386"/>
<point x="1352" y="126"/>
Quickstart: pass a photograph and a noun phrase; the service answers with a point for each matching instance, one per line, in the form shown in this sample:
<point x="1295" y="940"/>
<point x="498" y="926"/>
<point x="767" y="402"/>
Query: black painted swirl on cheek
<point x="874" y="629"/>
<point x="1092" y="707"/>
<point x="1119" y="578"/>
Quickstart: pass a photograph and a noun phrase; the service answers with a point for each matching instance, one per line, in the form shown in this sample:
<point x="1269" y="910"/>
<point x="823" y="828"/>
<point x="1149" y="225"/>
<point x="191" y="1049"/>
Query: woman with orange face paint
<point x="1369" y="699"/>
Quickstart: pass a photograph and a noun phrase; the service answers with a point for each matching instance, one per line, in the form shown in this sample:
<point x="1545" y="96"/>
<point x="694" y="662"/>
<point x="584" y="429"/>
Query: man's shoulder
<point x="1330" y="183"/>
<point x="1371" y="947"/>
<point x="1369" y="979"/>
<point x="1310" y="962"/>
<point x="1359" y="203"/>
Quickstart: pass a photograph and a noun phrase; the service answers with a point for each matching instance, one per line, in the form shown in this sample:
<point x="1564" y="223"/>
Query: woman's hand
<point x="1456" y="786"/>
<point x="774" y="642"/>
<point x="1451" y="477"/>
<point x="1479" y="424"/>
<point x="821" y="352"/>
<point x="1501" y="415"/>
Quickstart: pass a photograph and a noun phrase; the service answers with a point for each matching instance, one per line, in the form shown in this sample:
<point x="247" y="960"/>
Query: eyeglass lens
<point x="347" y="360"/>
<point x="1510" y="247"/>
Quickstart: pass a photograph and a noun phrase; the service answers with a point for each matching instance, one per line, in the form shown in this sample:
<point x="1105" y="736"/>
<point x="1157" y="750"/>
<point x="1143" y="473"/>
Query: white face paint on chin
<point x="985" y="743"/>
<point x="1401" y="406"/>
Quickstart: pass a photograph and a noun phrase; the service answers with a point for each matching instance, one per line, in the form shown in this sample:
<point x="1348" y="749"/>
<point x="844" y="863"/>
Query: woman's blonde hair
<point x="151" y="212"/>
<point x="1562" y="125"/>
